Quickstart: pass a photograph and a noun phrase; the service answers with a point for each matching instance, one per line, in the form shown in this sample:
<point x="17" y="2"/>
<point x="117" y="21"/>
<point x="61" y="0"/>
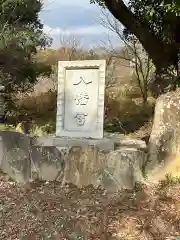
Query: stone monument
<point x="79" y="153"/>
<point x="80" y="102"/>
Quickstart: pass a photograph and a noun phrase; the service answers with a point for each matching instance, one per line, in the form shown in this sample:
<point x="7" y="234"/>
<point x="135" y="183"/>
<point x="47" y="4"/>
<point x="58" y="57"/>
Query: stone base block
<point x="78" y="161"/>
<point x="114" y="170"/>
<point x="105" y="144"/>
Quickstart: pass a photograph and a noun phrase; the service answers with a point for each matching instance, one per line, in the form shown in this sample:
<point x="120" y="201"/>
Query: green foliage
<point x="20" y="12"/>
<point x="162" y="16"/>
<point x="169" y="181"/>
<point x="21" y="34"/>
<point x="139" y="187"/>
<point x="100" y="2"/>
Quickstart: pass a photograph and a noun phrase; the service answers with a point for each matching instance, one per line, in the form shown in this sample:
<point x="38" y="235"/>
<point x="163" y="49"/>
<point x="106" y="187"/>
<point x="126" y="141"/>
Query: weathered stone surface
<point x="164" y="142"/>
<point x="15" y="155"/>
<point x="105" y="144"/>
<point x="121" y="140"/>
<point x="47" y="163"/>
<point x="132" y="142"/>
<point x="81" y="165"/>
<point x="113" y="170"/>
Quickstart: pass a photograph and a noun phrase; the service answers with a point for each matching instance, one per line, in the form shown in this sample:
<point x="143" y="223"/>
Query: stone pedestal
<point x="76" y="161"/>
<point x="105" y="144"/>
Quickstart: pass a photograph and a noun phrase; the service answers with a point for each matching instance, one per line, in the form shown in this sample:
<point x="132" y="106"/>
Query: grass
<point x="169" y="181"/>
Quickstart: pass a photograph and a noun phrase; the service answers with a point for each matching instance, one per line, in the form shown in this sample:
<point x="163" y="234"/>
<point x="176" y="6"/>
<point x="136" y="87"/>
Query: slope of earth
<point x="42" y="210"/>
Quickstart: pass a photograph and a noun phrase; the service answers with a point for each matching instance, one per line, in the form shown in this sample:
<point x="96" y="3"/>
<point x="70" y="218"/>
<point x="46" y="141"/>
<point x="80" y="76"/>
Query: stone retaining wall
<point x="25" y="159"/>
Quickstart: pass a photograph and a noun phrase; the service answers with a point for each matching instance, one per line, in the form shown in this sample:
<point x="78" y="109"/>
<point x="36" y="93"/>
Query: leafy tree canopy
<point x="161" y="16"/>
<point x="156" y="24"/>
<point x="21" y="34"/>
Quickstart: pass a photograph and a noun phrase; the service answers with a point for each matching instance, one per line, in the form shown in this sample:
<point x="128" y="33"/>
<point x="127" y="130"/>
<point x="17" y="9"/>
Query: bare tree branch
<point x="133" y="52"/>
<point x="70" y="46"/>
<point x="141" y="30"/>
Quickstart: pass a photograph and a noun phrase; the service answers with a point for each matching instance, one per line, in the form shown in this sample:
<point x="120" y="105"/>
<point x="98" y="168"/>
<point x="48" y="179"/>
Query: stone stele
<point x="80" y="101"/>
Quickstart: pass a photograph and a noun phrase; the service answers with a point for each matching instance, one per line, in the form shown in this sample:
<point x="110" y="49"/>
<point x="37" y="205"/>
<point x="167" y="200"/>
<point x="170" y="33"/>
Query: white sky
<point x="74" y="17"/>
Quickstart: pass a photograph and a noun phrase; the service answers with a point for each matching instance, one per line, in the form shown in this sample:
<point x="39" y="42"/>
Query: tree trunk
<point x="157" y="51"/>
<point x="163" y="56"/>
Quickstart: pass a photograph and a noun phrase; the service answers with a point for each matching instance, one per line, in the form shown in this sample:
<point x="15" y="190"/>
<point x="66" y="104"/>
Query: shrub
<point x="39" y="111"/>
<point x="123" y="114"/>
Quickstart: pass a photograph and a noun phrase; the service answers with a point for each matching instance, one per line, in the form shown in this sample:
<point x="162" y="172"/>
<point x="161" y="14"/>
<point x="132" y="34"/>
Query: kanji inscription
<point x="81" y="79"/>
<point x="82" y="98"/>
<point x="81" y="118"/>
<point x="80" y="106"/>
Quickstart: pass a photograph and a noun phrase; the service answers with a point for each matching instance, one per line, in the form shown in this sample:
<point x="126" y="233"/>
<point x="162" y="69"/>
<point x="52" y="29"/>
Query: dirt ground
<point x="43" y="210"/>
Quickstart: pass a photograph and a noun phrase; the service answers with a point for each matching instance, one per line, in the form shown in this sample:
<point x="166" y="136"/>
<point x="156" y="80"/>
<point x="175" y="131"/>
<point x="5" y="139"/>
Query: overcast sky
<point x="76" y="17"/>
